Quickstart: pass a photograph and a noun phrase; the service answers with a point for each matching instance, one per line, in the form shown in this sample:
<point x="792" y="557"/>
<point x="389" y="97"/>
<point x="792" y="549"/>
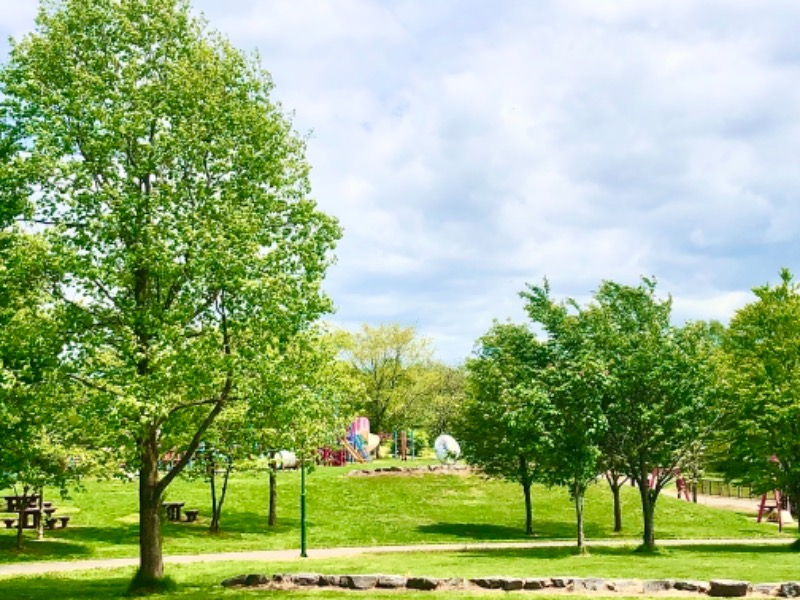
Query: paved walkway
<point x="37" y="568"/>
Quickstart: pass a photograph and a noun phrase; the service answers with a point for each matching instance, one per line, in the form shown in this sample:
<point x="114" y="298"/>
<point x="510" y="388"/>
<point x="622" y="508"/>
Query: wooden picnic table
<point x="173" y="510"/>
<point x="30" y="514"/>
<point x="18" y="503"/>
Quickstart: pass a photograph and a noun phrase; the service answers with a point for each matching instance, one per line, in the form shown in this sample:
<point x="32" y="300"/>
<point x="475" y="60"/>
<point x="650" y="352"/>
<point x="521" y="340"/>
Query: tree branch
<point x="97" y="386"/>
<point x="219" y="404"/>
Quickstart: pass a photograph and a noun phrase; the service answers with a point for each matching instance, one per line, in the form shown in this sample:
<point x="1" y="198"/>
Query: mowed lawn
<point x="345" y="510"/>
<point x="751" y="563"/>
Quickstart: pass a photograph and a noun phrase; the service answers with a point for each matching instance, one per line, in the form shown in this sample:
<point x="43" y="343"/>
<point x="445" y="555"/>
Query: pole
<point x="303" y="539"/>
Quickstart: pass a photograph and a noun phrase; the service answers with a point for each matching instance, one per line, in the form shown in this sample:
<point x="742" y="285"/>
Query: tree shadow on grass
<point x="40" y="550"/>
<point x="731" y="548"/>
<point x="117" y="534"/>
<point x="488" y="532"/>
<point x="233" y="523"/>
<point x="66" y="588"/>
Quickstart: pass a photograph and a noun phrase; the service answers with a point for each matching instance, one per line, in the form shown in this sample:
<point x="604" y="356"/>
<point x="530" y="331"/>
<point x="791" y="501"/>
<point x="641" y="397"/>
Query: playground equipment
<point x="447" y="449"/>
<point x="777" y="509"/>
<point x="360" y="443"/>
<point x="285" y="459"/>
<point x="680" y="482"/>
<point x="403" y="444"/>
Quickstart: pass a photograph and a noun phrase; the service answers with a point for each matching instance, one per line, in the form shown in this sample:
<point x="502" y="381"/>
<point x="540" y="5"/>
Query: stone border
<point x="724" y="588"/>
<point x="396" y="470"/>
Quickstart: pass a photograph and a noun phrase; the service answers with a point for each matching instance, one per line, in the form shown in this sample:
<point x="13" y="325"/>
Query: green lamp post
<point x="303" y="536"/>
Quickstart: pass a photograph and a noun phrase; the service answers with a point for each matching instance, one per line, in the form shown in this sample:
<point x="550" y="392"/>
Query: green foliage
<point x="503" y="425"/>
<point x="760" y="384"/>
<point x="174" y="197"/>
<point x="386" y="359"/>
<point x="38" y="425"/>
<point x="658" y="385"/>
<point x="576" y="381"/>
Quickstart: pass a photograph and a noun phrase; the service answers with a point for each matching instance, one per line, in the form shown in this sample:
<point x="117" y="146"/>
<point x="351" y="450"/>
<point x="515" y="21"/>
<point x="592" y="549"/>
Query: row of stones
<point x="717" y="587"/>
<point x="427" y="469"/>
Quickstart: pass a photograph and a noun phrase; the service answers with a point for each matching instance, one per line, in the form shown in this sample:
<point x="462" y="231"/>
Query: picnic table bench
<point x="173" y="510"/>
<point x="29" y="514"/>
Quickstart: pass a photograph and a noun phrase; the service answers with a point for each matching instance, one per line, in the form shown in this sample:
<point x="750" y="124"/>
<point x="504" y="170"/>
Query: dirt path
<point x="37" y="568"/>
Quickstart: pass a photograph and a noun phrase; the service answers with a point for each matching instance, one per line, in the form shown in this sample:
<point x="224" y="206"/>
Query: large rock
<point x="234" y="581"/>
<point x="691" y="586"/>
<point x="513" y="583"/>
<point x="537" y="583"/>
<point x="651" y="586"/>
<point x="391" y="581"/>
<point x="790" y="589"/>
<point x="306" y="579"/>
<point x="254" y="579"/>
<point x="489" y="583"/>
<point x="727" y="588"/>
<point x="561" y="582"/>
<point x="331" y="580"/>
<point x="422" y="583"/>
<point x="358" y="582"/>
<point x="589" y="584"/>
<point x="768" y="589"/>
<point x="626" y="585"/>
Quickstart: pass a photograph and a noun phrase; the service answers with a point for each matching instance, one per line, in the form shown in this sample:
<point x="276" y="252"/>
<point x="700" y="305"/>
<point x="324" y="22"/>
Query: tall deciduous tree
<point x="305" y="401"/>
<point x="503" y="424"/>
<point x="659" y="379"/>
<point x="386" y="358"/>
<point x="175" y="194"/>
<point x="575" y="380"/>
<point x="37" y="428"/>
<point x="760" y="381"/>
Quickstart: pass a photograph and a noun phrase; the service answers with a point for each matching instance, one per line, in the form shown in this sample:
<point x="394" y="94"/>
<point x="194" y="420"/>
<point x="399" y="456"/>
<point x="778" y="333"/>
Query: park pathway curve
<point x="39" y="568"/>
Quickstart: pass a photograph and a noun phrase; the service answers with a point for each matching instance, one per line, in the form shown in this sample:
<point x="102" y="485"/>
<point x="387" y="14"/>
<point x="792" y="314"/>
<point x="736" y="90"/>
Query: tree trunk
<point x="20" y="537"/>
<point x="526" y="490"/>
<point x="20" y="520"/>
<point x="273" y="494"/>
<point x="578" y="493"/>
<point x="648" y="515"/>
<point x="218" y="514"/>
<point x="151" y="563"/>
<point x="212" y="480"/>
<point x="615" y="494"/>
<point x="615" y="482"/>
<point x="40" y="528"/>
<point x="525" y="479"/>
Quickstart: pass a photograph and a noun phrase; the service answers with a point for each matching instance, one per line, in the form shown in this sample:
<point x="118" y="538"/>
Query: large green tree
<point x="175" y="195"/>
<point x="37" y="427"/>
<point x="387" y="358"/>
<point x="503" y="424"/>
<point x="760" y="385"/>
<point x="657" y="396"/>
<point x="575" y="380"/>
<point x="306" y="400"/>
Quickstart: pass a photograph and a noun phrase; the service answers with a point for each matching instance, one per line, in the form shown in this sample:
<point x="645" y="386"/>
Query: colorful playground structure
<point x="357" y="445"/>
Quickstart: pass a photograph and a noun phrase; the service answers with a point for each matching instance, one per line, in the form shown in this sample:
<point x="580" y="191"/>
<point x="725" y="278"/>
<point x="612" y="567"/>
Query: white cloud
<point x="471" y="146"/>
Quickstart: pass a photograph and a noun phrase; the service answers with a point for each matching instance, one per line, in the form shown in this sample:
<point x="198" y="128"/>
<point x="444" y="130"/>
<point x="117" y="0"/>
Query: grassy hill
<point x="345" y="510"/>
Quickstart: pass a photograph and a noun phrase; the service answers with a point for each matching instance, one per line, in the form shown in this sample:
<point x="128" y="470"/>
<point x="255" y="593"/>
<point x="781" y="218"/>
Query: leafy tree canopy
<point x="760" y="384"/>
<point x="174" y="196"/>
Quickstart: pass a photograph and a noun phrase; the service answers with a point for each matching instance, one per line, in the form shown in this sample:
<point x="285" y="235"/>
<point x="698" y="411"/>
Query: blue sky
<point x="471" y="146"/>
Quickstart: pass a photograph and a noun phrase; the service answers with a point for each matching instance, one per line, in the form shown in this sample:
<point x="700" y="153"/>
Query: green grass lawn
<point x="752" y="563"/>
<point x="354" y="511"/>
